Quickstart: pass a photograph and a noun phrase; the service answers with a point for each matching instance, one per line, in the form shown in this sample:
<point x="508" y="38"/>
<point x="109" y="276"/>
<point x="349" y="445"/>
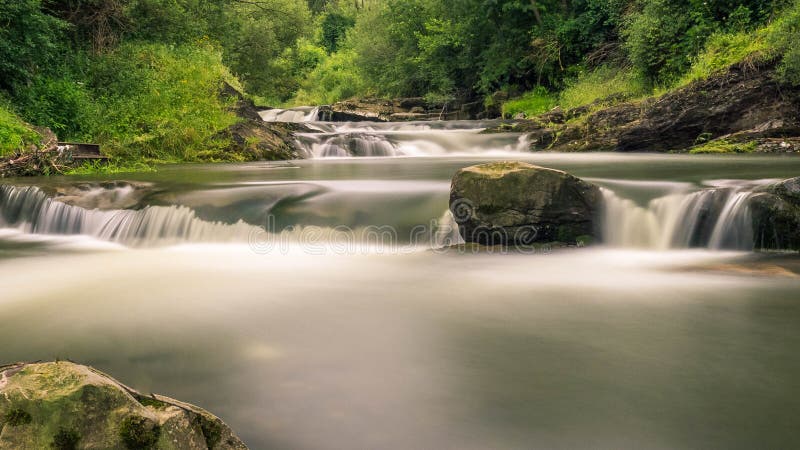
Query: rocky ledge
<point x="519" y="204"/>
<point x="66" y="406"/>
<point x="740" y="110"/>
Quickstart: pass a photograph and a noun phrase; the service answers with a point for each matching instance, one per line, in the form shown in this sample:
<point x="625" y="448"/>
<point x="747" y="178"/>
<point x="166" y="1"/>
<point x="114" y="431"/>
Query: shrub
<point x="336" y="78"/>
<point x="61" y="104"/>
<point x="139" y="432"/>
<point x="160" y="102"/>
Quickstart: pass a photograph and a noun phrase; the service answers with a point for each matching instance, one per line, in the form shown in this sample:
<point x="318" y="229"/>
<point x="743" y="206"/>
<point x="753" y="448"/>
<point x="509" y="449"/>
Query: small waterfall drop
<point x="293" y="115"/>
<point x="32" y="211"/>
<point x="715" y="218"/>
<point x="407" y="139"/>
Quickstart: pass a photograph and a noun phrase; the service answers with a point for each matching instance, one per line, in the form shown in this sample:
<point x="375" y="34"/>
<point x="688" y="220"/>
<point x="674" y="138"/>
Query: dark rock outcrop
<point x="65" y="405"/>
<point x="775" y="210"/>
<point x="745" y="103"/>
<point x="252" y="139"/>
<point x="514" y="203"/>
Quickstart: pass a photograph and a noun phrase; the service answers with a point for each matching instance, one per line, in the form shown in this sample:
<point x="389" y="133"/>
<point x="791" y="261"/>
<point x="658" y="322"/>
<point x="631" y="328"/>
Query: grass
<point x="603" y="83"/>
<point x="111" y="167"/>
<point x="15" y="135"/>
<point x="531" y="103"/>
<point x="723" y="147"/>
<point x="723" y="50"/>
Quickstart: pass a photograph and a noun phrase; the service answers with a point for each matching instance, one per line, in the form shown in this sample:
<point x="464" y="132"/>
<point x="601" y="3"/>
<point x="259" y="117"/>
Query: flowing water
<point x="313" y="304"/>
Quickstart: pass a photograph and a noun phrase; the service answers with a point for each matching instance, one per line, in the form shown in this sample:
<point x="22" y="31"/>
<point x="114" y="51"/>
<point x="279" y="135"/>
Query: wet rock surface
<point x="775" y="212"/>
<point x="64" y="405"/>
<point x="514" y="203"/>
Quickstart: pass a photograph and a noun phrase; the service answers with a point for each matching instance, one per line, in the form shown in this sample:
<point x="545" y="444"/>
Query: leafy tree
<point x="30" y="41"/>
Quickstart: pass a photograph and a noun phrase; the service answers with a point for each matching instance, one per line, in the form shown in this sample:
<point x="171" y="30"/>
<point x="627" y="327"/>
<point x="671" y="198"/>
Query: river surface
<point x="314" y="304"/>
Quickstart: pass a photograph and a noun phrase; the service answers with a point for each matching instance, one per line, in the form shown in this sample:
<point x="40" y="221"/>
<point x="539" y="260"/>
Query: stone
<point x="515" y="203"/>
<point x="775" y="211"/>
<point x="65" y="405"/>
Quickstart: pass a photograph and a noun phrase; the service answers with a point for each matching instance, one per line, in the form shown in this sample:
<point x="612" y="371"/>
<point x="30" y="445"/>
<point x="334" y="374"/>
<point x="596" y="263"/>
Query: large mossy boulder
<point x="67" y="406"/>
<point x="775" y="212"/>
<point x="519" y="204"/>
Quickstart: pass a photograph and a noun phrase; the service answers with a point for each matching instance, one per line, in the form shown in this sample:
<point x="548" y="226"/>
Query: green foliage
<point x="334" y="29"/>
<point x="139" y="433"/>
<point x="531" y="103"/>
<point x="63" y="105"/>
<point x="30" y="41"/>
<point x="722" y="146"/>
<point x="784" y="36"/>
<point x="16" y="417"/>
<point x="722" y="50"/>
<point x="602" y="83"/>
<point x="15" y="135"/>
<point x="160" y="102"/>
<point x="336" y="78"/>
<point x="110" y="168"/>
<point x="65" y="439"/>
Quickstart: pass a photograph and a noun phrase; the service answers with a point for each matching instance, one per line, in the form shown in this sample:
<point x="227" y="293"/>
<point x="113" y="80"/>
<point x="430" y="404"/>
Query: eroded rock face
<point x="515" y="203"/>
<point x="776" y="216"/>
<point x="64" y="405"/>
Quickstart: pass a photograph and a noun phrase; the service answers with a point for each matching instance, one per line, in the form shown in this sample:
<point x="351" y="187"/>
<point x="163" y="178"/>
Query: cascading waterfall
<point x="32" y="211"/>
<point x="372" y="139"/>
<point x="715" y="218"/>
<point x="294" y="115"/>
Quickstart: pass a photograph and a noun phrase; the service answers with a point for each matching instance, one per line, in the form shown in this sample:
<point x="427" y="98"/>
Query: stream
<point x="318" y="303"/>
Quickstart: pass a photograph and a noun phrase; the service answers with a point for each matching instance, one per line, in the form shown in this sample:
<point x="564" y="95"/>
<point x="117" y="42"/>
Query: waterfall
<point x="296" y="115"/>
<point x="715" y="218"/>
<point x="32" y="211"/>
<point x="408" y="139"/>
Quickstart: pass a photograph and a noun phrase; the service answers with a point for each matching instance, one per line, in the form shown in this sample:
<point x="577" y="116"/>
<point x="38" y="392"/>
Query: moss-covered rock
<point x="515" y="203"/>
<point x="775" y="210"/>
<point x="64" y="405"/>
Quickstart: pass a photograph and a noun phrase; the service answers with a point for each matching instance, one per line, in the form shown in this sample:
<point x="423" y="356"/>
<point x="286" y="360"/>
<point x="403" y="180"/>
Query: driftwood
<point x="48" y="158"/>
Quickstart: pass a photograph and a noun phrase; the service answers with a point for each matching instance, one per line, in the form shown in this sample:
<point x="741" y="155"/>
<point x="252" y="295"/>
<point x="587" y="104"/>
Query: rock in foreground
<point x="515" y="203"/>
<point x="65" y="406"/>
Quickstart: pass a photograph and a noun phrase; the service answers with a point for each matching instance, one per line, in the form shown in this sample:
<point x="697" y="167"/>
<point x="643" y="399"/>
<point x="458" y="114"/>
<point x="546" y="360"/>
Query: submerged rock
<point x="515" y="203"/>
<point x="775" y="211"/>
<point x="64" y="405"/>
<point x="105" y="195"/>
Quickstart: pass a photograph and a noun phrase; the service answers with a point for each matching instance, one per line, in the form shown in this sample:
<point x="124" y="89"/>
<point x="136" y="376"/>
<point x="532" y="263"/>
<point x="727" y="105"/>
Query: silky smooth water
<point x="399" y="344"/>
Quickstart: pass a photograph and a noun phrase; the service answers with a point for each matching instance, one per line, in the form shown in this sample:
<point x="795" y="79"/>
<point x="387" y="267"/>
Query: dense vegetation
<point x="142" y="77"/>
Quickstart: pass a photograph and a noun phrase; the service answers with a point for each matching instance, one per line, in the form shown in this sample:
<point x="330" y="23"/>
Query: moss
<point x="212" y="431"/>
<point x="152" y="402"/>
<point x="17" y="417"/>
<point x="65" y="439"/>
<point x="139" y="433"/>
<point x="723" y="147"/>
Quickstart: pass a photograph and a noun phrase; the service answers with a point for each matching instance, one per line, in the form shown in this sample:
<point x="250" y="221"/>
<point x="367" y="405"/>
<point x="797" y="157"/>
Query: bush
<point x="160" y="102"/>
<point x="61" y="104"/>
<point x="335" y="79"/>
